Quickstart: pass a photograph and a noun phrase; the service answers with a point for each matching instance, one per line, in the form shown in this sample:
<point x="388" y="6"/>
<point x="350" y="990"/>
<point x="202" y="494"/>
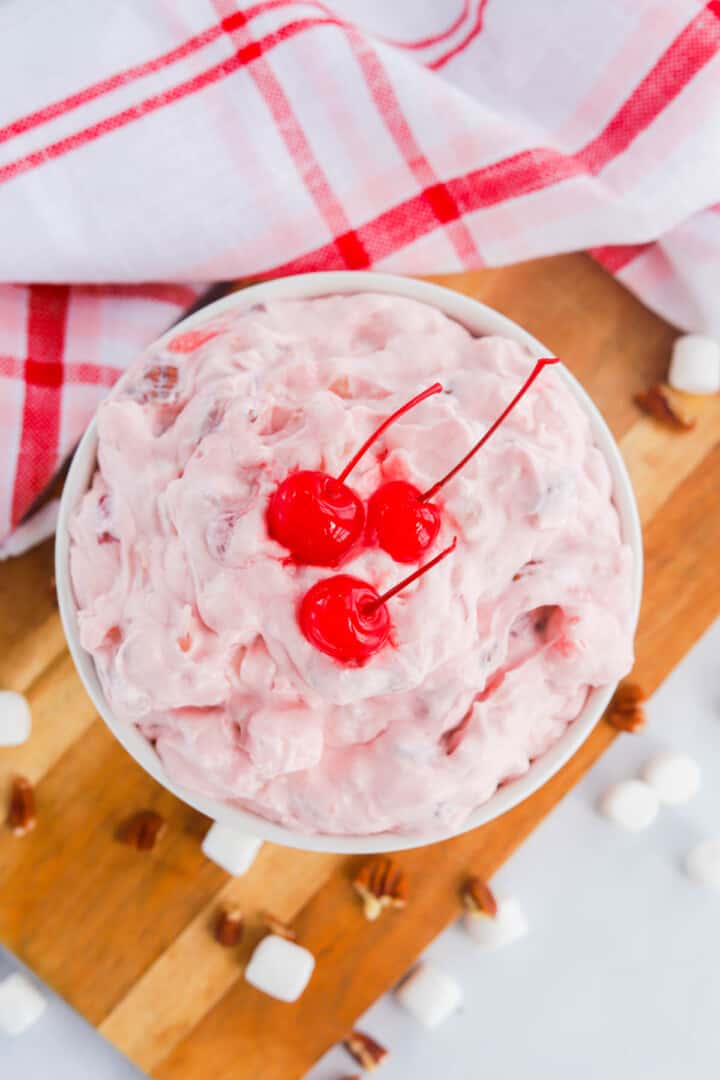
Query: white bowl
<point x="480" y="320"/>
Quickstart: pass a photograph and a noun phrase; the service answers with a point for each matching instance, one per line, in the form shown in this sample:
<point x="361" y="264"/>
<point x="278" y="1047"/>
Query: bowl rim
<point x="480" y="320"/>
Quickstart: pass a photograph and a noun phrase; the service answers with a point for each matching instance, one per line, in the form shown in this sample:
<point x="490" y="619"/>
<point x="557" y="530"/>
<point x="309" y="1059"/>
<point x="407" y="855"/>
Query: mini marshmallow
<point x="510" y="924"/>
<point x="631" y="804"/>
<point x="702" y="863"/>
<point x="280" y="968"/>
<point x="695" y="365"/>
<point x="15" y="719"/>
<point x="430" y="995"/>
<point x="21" y="1004"/>
<point x="674" y="778"/>
<point x="232" y="850"/>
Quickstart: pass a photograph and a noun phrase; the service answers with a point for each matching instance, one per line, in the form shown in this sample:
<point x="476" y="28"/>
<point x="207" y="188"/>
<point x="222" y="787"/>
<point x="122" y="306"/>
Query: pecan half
<point x="142" y="830"/>
<point x="21" y="817"/>
<point x="277" y="926"/>
<point x="666" y="405"/>
<point x="478" y="897"/>
<point x="366" y="1050"/>
<point x="229" y="926"/>
<point x="381" y="884"/>
<point x="525" y="569"/>
<point x="626" y="712"/>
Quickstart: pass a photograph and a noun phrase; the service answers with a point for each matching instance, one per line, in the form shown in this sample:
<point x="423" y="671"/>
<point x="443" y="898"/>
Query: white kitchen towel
<point x="149" y="147"/>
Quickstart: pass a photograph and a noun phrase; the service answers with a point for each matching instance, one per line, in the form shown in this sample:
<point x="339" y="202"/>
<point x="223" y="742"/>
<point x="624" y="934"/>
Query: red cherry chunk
<point x="104" y="514"/>
<point x="316" y="517"/>
<point x="190" y="340"/>
<point x="344" y="618"/>
<point x="400" y="522"/>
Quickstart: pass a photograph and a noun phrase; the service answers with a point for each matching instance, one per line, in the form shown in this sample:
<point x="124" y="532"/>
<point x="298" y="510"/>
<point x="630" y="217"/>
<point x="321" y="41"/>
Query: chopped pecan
<point x="277" y="926"/>
<point x="626" y="712"/>
<point x="142" y="830"/>
<point x="21" y="816"/>
<point x="229" y="926"/>
<point x="163" y="379"/>
<point x="366" y="1050"/>
<point x="524" y="569"/>
<point x="479" y="898"/>
<point x="666" y="405"/>
<point x="381" y="884"/>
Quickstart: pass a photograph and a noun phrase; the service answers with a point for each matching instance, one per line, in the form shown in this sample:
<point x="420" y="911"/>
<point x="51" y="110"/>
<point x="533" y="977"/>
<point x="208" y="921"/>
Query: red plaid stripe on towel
<point x="196" y="140"/>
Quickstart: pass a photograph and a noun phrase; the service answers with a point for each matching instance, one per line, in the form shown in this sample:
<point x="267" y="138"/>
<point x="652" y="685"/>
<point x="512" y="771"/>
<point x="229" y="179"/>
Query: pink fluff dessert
<point x="190" y="608"/>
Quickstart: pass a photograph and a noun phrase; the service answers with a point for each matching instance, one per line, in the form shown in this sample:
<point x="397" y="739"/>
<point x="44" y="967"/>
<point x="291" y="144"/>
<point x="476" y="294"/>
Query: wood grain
<point x="126" y="937"/>
<point x="61" y="712"/>
<point x="164" y="990"/>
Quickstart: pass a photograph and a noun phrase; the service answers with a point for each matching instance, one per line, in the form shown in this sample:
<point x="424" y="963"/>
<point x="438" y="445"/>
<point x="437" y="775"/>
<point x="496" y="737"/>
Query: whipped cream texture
<point x="189" y="608"/>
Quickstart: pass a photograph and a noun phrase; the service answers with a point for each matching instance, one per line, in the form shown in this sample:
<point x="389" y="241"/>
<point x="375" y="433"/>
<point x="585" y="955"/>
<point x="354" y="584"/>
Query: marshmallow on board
<point x="280" y="968"/>
<point x="15" y="718"/>
<point x="21" y="1004"/>
<point x="232" y="850"/>
<point x="492" y="932"/>
<point x="429" y="994"/>
<point x="695" y="365"/>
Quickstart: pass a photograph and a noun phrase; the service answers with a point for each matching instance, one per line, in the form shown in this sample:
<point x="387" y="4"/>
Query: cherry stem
<point x="493" y="427"/>
<point x="436" y="388"/>
<point x="373" y="605"/>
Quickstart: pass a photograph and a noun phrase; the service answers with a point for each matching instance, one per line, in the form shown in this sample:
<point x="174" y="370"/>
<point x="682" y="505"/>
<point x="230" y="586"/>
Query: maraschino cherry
<point x="347" y="618"/>
<point x="317" y="517"/>
<point x="402" y="519"/>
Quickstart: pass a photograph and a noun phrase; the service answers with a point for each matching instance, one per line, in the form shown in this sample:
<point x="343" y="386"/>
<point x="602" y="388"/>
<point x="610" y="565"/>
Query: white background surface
<point x="619" y="978"/>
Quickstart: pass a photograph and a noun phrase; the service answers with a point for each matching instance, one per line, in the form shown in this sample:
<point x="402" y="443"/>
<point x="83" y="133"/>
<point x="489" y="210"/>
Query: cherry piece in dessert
<point x="317" y="517"/>
<point x="104" y="515"/>
<point x="190" y="340"/>
<point x="402" y="519"/>
<point x="347" y="619"/>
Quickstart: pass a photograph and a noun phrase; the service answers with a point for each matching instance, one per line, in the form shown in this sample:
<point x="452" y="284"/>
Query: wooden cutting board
<point x="125" y="937"/>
